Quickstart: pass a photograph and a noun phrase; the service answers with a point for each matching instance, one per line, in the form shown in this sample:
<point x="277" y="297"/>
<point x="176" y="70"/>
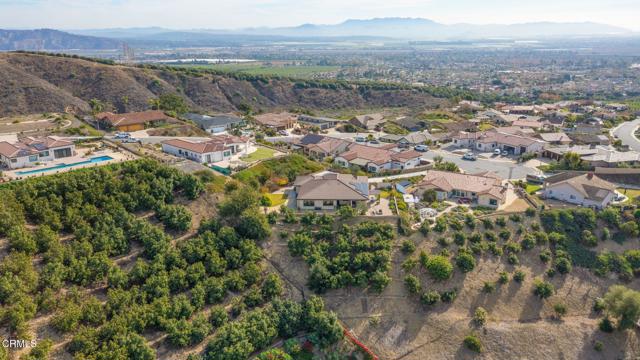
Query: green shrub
<point x="439" y="267"/>
<point x="430" y="297"/>
<point x="543" y="289"/>
<point x="480" y="316"/>
<point x="465" y="261"/>
<point x="472" y="343"/>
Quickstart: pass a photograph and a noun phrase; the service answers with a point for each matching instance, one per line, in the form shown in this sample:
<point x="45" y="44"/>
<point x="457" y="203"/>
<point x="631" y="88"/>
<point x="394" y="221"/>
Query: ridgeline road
<point x="625" y="133"/>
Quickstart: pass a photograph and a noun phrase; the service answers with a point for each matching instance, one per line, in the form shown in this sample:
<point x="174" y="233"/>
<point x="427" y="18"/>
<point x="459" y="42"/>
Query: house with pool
<point x="33" y="151"/>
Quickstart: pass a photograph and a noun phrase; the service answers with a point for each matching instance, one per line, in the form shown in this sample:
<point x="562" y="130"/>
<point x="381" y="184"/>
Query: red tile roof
<point x="133" y="118"/>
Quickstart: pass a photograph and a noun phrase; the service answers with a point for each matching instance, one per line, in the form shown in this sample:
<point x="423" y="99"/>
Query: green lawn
<point x="485" y="127"/>
<point x="277" y="199"/>
<point x="531" y="189"/>
<point x="260" y="154"/>
<point x="632" y="194"/>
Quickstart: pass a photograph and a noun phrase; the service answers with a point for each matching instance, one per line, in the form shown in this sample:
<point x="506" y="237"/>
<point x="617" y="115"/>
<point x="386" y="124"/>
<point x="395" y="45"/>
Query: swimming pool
<point x="64" y="166"/>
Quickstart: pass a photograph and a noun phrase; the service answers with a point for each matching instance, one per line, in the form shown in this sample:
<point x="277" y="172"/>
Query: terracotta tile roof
<point x="484" y="183"/>
<point x="377" y="155"/>
<point x="218" y="143"/>
<point x="332" y="186"/>
<point x="31" y="146"/>
<point x="132" y="118"/>
<point x="273" y="119"/>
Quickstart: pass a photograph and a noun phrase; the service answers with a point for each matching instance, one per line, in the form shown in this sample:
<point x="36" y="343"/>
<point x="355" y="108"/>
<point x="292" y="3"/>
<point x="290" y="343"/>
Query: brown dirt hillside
<point x="37" y="83"/>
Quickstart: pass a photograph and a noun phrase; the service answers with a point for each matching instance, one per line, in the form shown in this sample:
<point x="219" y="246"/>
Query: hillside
<point x="48" y="39"/>
<point x="31" y="83"/>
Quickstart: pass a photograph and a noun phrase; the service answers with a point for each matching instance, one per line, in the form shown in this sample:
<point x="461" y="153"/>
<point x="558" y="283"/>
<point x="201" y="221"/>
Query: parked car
<point x="469" y="156"/>
<point x="130" y="140"/>
<point x="283" y="133"/>
<point x="360" y="139"/>
<point x="497" y="152"/>
<point x="374" y="142"/>
<point x="421" y="148"/>
<point x="122" y="135"/>
<point x="505" y="153"/>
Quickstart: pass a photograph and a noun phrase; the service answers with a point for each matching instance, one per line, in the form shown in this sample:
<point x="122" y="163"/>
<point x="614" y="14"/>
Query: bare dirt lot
<point x="520" y="326"/>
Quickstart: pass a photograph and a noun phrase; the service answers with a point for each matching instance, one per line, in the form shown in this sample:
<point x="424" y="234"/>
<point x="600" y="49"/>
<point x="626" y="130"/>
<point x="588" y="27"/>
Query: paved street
<point x="505" y="169"/>
<point x="625" y="133"/>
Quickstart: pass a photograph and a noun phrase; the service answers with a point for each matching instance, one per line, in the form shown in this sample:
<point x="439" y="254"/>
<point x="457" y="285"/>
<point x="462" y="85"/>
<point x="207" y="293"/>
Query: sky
<point x="237" y="14"/>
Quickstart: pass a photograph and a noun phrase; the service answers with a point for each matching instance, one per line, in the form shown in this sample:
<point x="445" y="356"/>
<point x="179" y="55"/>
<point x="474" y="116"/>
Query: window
<point x="308" y="203"/>
<point x="180" y="151"/>
<point x="227" y="153"/>
<point x="62" y="153"/>
<point x="572" y="197"/>
<point x="327" y="203"/>
<point x="493" y="202"/>
<point x="33" y="158"/>
<point x="14" y="160"/>
<point x="44" y="154"/>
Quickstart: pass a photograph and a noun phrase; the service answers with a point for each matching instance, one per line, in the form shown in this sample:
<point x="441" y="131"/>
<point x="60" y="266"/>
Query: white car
<point x="421" y="148"/>
<point x="122" y="135"/>
<point x="497" y="152"/>
<point x="469" y="156"/>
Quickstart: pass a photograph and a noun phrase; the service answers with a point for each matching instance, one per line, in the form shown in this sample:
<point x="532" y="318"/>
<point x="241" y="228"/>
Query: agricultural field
<point x="139" y="261"/>
<point x="285" y="70"/>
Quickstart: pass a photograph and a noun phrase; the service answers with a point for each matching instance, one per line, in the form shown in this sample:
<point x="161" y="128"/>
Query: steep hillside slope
<point x="35" y="83"/>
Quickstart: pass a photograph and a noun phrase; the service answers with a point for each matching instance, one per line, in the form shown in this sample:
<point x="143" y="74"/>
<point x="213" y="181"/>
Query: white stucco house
<point x="378" y="159"/>
<point x="216" y="149"/>
<point x="483" y="189"/>
<point x="587" y="190"/>
<point x="488" y="141"/>
<point x="31" y="151"/>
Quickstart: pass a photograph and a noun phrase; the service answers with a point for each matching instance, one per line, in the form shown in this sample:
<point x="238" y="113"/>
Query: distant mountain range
<point x="400" y="28"/>
<point x="380" y="28"/>
<point x="52" y="40"/>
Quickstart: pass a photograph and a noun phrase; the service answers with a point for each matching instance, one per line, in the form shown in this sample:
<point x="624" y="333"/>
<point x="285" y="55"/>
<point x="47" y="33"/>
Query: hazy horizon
<point x="202" y="14"/>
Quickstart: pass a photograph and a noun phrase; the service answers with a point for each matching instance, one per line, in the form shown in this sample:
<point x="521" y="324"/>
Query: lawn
<point x="260" y="154"/>
<point x="485" y="127"/>
<point x="531" y="189"/>
<point x="632" y="194"/>
<point x="277" y="199"/>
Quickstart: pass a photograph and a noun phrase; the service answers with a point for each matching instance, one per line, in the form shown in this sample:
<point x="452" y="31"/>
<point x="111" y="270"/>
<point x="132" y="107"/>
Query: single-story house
<point x="580" y="189"/>
<point x="330" y="191"/>
<point x="281" y="121"/>
<point x="493" y="139"/>
<point x="378" y="159"/>
<point x="322" y="122"/>
<point x="216" y="123"/>
<point x="369" y="121"/>
<point x="133" y="121"/>
<point x="319" y="147"/>
<point x="558" y="138"/>
<point x="411" y="124"/>
<point x="414" y="138"/>
<point x="595" y="155"/>
<point x="32" y="150"/>
<point x="483" y="189"/>
<point x="216" y="149"/>
<point x="590" y="139"/>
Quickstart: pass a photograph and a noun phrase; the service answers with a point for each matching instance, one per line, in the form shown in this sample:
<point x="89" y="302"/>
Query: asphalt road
<point x="625" y="133"/>
<point x="505" y="169"/>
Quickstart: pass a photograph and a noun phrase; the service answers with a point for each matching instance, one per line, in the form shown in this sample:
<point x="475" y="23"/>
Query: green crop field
<point x="301" y="71"/>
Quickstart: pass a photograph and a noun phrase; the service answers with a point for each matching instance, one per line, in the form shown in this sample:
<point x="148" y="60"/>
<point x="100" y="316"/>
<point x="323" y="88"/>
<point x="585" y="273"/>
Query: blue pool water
<point x="63" y="166"/>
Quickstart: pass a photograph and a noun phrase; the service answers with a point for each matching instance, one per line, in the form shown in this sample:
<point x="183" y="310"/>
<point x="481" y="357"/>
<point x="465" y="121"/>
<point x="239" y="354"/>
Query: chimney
<point x="590" y="176"/>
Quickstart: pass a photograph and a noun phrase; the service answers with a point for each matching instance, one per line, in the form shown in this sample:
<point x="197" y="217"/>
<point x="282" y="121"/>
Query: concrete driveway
<point x="504" y="168"/>
<point x="625" y="133"/>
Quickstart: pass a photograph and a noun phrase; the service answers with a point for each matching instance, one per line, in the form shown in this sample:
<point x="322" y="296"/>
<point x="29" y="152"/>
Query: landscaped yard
<point x="632" y="194"/>
<point x="531" y="188"/>
<point x="277" y="199"/>
<point x="260" y="154"/>
<point x="485" y="127"/>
